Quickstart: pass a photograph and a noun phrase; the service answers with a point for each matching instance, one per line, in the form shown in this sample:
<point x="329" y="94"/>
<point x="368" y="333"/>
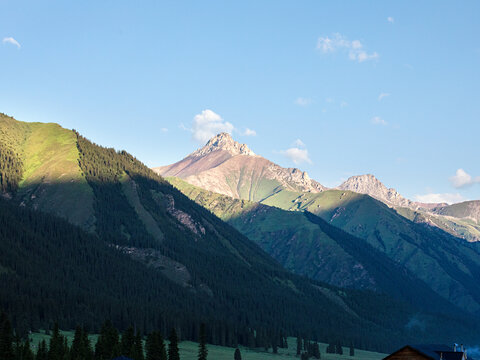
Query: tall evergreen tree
<point x="137" y="353"/>
<point x="27" y="353"/>
<point x="42" y="352"/>
<point x="352" y="350"/>
<point x="299" y="345"/>
<point x="338" y="348"/>
<point x="6" y="339"/>
<point x="202" y="346"/>
<point x="155" y="347"/>
<point x="173" y="352"/>
<point x="237" y="355"/>
<point x="127" y="342"/>
<point x="56" y="348"/>
<point x="81" y="348"/>
<point x="107" y="346"/>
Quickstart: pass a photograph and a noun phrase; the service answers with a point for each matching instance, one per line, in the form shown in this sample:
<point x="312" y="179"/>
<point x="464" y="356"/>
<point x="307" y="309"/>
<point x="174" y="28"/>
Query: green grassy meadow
<point x="189" y="350"/>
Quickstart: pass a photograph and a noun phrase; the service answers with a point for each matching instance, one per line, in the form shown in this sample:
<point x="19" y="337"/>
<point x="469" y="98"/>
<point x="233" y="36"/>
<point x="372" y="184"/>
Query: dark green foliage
<point x="304" y="356"/>
<point x="42" y="352"/>
<point x="237" y="355"/>
<point x="202" y="343"/>
<point x="173" y="352"/>
<point x="108" y="345"/>
<point x="81" y="348"/>
<point x="299" y="345"/>
<point x="137" y="353"/>
<point x="338" y="348"/>
<point x="6" y="339"/>
<point x="352" y="350"/>
<point x="155" y="347"/>
<point x="11" y="167"/>
<point x="127" y="342"/>
<point x="57" y="349"/>
<point x="331" y="348"/>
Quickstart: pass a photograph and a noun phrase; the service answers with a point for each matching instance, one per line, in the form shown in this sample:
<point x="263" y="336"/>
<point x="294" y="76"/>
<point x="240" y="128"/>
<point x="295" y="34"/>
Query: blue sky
<point x="336" y="88"/>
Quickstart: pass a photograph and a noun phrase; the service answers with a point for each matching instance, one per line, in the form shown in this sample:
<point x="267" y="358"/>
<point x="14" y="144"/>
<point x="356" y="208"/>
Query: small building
<point x="429" y="352"/>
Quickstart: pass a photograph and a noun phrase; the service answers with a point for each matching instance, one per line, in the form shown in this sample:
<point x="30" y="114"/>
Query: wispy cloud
<point x="249" y="132"/>
<point x="440" y="198"/>
<point x="377" y="120"/>
<point x="164" y="130"/>
<point x="390" y="19"/>
<point x="383" y="95"/>
<point x="462" y="179"/>
<point x="354" y="48"/>
<point x="207" y="124"/>
<point x="301" y="101"/>
<point x="298" y="153"/>
<point x="343" y="104"/>
<point x="11" y="40"/>
<point x="299" y="143"/>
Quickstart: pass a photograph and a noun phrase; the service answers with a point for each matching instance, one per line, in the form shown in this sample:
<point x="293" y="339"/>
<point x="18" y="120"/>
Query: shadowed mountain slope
<point x="412" y="239"/>
<point x="142" y="226"/>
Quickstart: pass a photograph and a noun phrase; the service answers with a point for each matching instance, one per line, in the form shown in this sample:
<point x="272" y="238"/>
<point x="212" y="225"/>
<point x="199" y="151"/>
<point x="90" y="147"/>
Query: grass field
<point x="189" y="350"/>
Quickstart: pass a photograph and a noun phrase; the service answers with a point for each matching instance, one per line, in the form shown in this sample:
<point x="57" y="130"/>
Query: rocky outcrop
<point x="370" y="185"/>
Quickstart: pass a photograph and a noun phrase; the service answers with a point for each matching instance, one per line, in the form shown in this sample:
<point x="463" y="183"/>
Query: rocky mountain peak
<point x="370" y="185"/>
<point x="224" y="141"/>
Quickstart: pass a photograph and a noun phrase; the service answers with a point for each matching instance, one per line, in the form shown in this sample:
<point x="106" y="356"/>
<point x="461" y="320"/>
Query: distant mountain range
<point x="412" y="235"/>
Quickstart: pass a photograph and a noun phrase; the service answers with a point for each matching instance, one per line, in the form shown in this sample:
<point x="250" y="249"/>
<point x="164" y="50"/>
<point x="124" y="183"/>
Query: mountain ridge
<point x="234" y="170"/>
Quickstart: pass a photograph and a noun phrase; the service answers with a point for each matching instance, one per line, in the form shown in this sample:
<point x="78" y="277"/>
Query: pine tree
<point x="338" y="348"/>
<point x="155" y="347"/>
<point x="315" y="350"/>
<point x="237" y="355"/>
<point x="42" y="352"/>
<point x="299" y="345"/>
<point x="173" y="353"/>
<point x="352" y="350"/>
<point x="76" y="351"/>
<point x="56" y="348"/>
<point x="137" y="353"/>
<point x="108" y="346"/>
<point x="202" y="346"/>
<point x="6" y="339"/>
<point x="127" y="342"/>
<point x="27" y="353"/>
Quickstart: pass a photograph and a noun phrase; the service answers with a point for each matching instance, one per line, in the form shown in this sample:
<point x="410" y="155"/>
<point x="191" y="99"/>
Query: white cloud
<point x="303" y="101"/>
<point x="11" y="40"/>
<point x="343" y="104"/>
<point x="377" y="120"/>
<point x="355" y="48"/>
<point x="463" y="179"/>
<point x="297" y="155"/>
<point x="383" y="95"/>
<point x="249" y="132"/>
<point x="440" y="198"/>
<point x="329" y="100"/>
<point x="164" y="130"/>
<point x="390" y="19"/>
<point x="207" y="124"/>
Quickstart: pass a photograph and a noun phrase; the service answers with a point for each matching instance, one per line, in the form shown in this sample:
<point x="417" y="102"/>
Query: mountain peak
<point x="370" y="185"/>
<point x="224" y="141"/>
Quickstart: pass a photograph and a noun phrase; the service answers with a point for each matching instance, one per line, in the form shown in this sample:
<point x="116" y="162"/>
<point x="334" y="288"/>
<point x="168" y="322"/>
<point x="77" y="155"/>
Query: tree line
<point x="109" y="345"/>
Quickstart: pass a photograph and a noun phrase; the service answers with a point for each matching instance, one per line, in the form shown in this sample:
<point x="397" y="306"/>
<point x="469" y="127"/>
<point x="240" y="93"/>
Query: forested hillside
<point x="155" y="258"/>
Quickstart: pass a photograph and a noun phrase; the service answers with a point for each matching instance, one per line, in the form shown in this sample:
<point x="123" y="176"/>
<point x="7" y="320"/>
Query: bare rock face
<point x="225" y="142"/>
<point x="370" y="185"/>
<point x="227" y="167"/>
